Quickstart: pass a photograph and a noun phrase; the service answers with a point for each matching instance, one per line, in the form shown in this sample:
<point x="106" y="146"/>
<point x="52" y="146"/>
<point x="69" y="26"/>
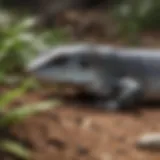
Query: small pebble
<point x="149" y="141"/>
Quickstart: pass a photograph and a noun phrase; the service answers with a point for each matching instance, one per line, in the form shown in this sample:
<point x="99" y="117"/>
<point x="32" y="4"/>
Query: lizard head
<point x="68" y="64"/>
<point x="73" y="65"/>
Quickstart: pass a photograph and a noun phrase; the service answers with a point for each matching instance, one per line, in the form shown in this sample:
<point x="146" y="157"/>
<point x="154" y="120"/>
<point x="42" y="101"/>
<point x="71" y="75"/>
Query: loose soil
<point x="83" y="132"/>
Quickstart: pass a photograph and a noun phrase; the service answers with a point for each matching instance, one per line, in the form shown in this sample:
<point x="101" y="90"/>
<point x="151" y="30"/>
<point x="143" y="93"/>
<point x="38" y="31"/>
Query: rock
<point x="149" y="141"/>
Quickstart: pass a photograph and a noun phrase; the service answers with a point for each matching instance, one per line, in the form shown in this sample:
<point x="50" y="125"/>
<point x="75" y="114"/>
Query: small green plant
<point x="17" y="45"/>
<point x="13" y="94"/>
<point x="15" y="148"/>
<point x="135" y="16"/>
<point x="19" y="42"/>
<point x="17" y="115"/>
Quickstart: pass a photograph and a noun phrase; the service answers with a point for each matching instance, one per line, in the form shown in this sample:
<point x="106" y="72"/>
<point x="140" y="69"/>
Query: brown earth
<point x="73" y="132"/>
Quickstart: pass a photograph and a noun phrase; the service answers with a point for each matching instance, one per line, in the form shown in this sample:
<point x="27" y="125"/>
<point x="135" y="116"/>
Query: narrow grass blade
<point x="15" y="148"/>
<point x="15" y="93"/>
<point x="20" y="113"/>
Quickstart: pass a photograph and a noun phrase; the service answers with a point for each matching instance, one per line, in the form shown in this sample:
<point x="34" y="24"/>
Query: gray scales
<point x="130" y="75"/>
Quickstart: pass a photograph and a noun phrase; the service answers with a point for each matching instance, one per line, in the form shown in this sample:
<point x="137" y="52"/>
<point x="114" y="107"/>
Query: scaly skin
<point x="130" y="74"/>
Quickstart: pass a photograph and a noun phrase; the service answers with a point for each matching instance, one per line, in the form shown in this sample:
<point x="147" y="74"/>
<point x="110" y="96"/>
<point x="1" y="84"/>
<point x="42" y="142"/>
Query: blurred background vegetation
<point x="29" y="27"/>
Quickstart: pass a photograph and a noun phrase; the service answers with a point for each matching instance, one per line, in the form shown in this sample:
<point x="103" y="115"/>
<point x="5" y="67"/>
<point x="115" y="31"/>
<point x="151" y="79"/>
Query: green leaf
<point x="15" y="148"/>
<point x="15" y="93"/>
<point x="20" y="113"/>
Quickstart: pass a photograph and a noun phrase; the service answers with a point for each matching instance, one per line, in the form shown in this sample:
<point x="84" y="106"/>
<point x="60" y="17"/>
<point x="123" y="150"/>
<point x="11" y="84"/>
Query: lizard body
<point x="134" y="74"/>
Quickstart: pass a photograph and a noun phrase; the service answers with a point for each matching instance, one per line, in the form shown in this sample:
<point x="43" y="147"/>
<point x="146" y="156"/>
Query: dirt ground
<point x="74" y="132"/>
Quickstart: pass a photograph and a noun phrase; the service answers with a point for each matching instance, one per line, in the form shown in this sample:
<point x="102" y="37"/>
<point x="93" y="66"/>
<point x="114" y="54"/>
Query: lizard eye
<point x="84" y="64"/>
<point x="62" y="60"/>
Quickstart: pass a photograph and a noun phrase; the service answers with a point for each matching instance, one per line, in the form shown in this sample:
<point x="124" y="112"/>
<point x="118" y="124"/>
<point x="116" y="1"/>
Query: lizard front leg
<point x="130" y="91"/>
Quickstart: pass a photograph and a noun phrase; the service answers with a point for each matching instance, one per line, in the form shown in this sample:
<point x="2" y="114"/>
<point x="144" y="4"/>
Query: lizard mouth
<point x="60" y="86"/>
